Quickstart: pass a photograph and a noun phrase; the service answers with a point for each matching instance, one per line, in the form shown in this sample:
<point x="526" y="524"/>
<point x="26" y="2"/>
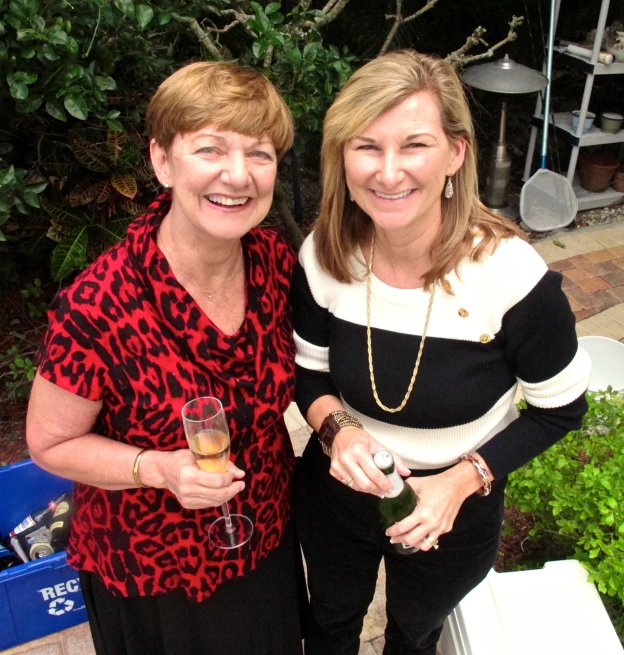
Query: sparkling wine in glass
<point x="208" y="436"/>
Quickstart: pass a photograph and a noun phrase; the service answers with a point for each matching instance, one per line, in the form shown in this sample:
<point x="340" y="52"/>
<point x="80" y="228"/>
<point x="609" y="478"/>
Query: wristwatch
<point x="332" y="424"/>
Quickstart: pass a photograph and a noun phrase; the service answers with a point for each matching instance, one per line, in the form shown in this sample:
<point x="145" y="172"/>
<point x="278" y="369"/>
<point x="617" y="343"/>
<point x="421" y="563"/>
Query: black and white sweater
<point x="506" y="322"/>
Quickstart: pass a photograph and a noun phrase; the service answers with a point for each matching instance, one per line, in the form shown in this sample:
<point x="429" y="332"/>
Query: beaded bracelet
<point x="481" y="470"/>
<point x="135" y="469"/>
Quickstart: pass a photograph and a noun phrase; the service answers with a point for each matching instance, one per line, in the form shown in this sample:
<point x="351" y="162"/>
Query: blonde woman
<point x="417" y="315"/>
<point x="194" y="302"/>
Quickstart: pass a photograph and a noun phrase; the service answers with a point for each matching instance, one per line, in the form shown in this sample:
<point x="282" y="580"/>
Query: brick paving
<point x="592" y="265"/>
<point x="593" y="282"/>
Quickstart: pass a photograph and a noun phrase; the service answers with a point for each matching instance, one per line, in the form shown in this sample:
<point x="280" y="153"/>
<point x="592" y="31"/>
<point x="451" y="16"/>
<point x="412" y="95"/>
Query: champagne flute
<point x="208" y="436"/>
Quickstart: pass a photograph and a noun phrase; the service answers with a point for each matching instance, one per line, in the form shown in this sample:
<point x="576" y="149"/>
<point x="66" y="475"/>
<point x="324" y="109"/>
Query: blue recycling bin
<point x="43" y="596"/>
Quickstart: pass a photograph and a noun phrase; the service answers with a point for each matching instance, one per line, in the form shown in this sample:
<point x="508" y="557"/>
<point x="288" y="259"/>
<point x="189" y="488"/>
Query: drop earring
<point x="351" y="197"/>
<point x="448" y="189"/>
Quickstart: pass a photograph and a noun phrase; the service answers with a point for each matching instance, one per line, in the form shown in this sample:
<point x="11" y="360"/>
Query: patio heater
<point x="507" y="78"/>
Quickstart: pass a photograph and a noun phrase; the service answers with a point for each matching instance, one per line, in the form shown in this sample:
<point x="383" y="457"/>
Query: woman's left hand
<point x="439" y="499"/>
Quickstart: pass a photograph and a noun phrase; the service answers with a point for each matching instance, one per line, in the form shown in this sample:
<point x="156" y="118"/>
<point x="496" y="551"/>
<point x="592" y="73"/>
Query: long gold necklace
<point x="206" y="292"/>
<point x="370" y="344"/>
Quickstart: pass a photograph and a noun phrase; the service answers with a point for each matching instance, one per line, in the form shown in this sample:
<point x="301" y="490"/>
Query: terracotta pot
<point x="596" y="171"/>
<point x="618" y="180"/>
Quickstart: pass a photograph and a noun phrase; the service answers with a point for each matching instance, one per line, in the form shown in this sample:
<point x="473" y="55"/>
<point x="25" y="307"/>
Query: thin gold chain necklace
<point x="206" y="292"/>
<point x="369" y="343"/>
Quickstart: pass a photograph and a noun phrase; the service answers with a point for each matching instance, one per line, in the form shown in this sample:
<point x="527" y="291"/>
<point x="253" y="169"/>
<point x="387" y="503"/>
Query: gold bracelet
<point x="332" y="424"/>
<point x="481" y="470"/>
<point x="135" y="469"/>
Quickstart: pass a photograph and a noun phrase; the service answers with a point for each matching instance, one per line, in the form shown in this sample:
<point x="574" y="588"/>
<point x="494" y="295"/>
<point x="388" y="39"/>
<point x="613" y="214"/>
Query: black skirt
<point x="256" y="615"/>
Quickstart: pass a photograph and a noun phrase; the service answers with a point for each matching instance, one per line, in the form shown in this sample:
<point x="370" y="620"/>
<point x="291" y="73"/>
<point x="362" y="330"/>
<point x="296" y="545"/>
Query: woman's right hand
<point x="352" y="459"/>
<point x="197" y="489"/>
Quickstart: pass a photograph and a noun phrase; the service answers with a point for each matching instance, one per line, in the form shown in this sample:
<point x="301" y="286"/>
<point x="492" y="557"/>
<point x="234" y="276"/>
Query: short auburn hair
<point x="227" y="96"/>
<point x="374" y="89"/>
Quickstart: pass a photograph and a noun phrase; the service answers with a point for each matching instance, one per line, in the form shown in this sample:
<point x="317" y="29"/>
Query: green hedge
<point x="574" y="492"/>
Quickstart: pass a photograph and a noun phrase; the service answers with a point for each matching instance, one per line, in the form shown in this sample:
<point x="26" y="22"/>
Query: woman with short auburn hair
<point x="418" y="313"/>
<point x="193" y="302"/>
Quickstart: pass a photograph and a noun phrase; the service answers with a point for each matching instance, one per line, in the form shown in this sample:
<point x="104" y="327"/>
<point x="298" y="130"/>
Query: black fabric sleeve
<point x="312" y="325"/>
<point x="541" y="344"/>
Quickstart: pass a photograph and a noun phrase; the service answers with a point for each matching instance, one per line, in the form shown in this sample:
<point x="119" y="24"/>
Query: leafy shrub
<point x="25" y="314"/>
<point x="16" y="190"/>
<point x="574" y="493"/>
<point x="95" y="214"/>
<point x="60" y="56"/>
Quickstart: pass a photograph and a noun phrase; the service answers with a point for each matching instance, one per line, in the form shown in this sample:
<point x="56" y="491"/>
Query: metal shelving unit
<point x="563" y="121"/>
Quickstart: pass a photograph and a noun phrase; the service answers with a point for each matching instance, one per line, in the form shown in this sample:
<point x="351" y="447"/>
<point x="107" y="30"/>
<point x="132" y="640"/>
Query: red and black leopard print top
<point x="128" y="334"/>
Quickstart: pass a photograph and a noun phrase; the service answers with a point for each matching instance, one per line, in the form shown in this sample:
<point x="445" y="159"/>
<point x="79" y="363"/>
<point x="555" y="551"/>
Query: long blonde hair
<point x="372" y="90"/>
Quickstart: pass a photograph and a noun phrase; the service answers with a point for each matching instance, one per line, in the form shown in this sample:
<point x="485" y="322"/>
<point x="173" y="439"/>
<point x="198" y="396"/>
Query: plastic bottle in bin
<point x="36" y="518"/>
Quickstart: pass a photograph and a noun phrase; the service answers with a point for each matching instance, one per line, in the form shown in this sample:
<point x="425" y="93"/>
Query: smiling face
<point x="222" y="181"/>
<point x="397" y="167"/>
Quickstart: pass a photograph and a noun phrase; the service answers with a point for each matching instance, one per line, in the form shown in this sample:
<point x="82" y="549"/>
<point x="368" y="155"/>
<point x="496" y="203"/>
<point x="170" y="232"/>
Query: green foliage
<point x="92" y="63"/>
<point x="574" y="491"/>
<point x="32" y="293"/>
<point x="22" y="370"/>
<point x="16" y="191"/>
<point x="76" y="232"/>
<point x="17" y="367"/>
<point x="95" y="214"/>
<point x="306" y="71"/>
<point x="96" y="63"/>
<point x="52" y="56"/>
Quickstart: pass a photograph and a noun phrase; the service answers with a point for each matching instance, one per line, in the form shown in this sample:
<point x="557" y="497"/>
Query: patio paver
<point x="592" y="265"/>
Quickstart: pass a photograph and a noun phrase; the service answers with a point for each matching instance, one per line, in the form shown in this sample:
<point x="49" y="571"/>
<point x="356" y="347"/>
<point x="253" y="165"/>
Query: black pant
<point x="343" y="542"/>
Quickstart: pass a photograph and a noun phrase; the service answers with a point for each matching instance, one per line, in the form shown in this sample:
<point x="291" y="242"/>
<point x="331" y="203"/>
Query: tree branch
<point x="205" y="39"/>
<point x="268" y="57"/>
<point x="294" y="235"/>
<point x="239" y="17"/>
<point x="458" y="58"/>
<point x="329" y="6"/>
<point x="421" y="11"/>
<point x="473" y="40"/>
<point x="329" y="16"/>
<point x="398" y="19"/>
<point x="227" y="28"/>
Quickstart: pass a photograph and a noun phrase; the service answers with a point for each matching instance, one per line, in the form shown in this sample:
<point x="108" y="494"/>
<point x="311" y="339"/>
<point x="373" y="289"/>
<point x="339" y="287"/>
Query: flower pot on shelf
<point x="589" y="120"/>
<point x="611" y="122"/>
<point x="597" y="171"/>
<point x="618" y="179"/>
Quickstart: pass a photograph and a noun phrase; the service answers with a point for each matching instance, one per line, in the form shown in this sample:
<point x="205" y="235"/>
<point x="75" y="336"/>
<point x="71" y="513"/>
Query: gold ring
<point x="348" y="482"/>
<point x="432" y="541"/>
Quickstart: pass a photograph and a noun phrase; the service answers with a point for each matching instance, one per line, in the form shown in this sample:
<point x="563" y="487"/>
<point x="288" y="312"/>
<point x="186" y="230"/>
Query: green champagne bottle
<point x="398" y="503"/>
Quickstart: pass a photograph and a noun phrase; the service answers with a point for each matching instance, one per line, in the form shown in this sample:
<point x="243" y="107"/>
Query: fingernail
<point x="382" y="495"/>
<point x="393" y="541"/>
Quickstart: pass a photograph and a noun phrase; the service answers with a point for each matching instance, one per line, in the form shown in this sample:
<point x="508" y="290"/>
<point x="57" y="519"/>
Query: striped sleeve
<point x="311" y="323"/>
<point x="542" y="347"/>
